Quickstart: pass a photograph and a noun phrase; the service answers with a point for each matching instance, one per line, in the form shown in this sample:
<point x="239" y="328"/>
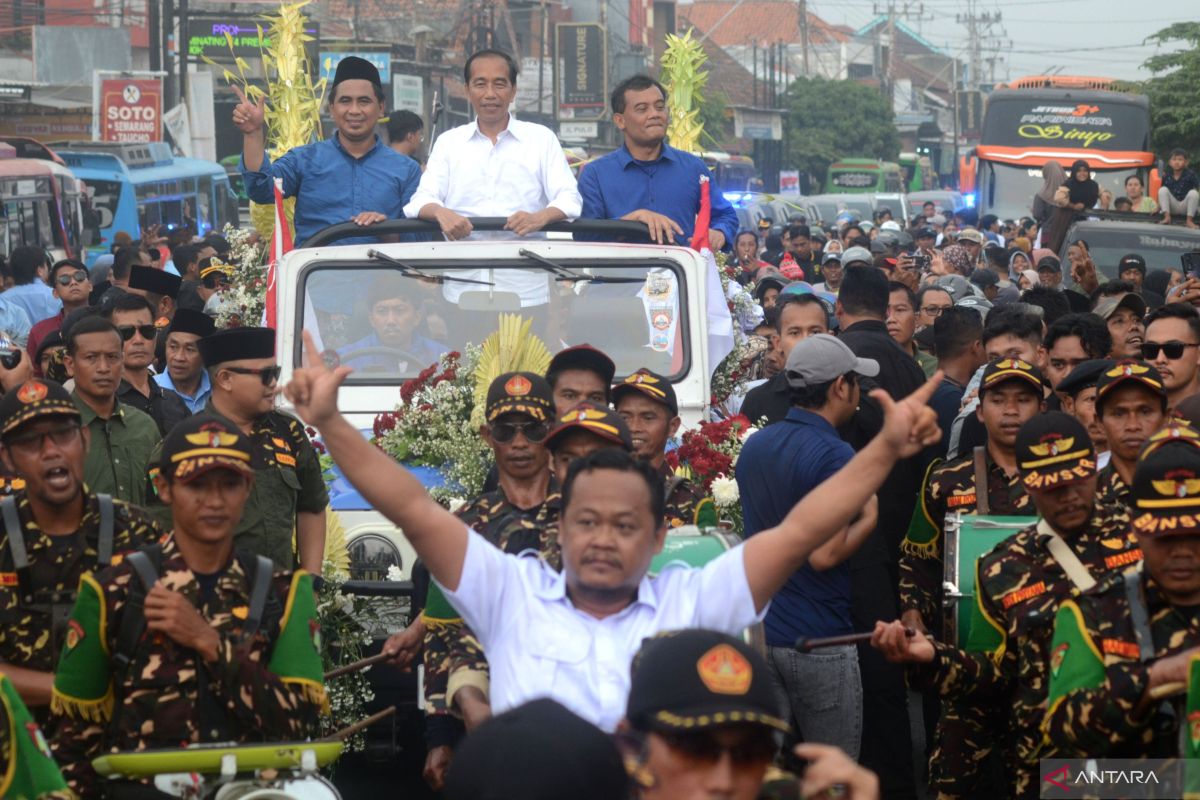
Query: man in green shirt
<point x="289" y="489"/>
<point x="122" y="438"/>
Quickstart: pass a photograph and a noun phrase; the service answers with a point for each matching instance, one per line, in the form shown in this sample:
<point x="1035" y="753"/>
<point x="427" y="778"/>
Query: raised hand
<point x="313" y="389"/>
<point x="247" y="115"/>
<point x="910" y="425"/>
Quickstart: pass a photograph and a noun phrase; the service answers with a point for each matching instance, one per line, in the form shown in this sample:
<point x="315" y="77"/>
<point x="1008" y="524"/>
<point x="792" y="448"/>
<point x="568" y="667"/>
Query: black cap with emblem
<point x="34" y="399"/>
<point x="1166" y="482"/>
<point x="1054" y="449"/>
<point x="1129" y="372"/>
<point x="1011" y="369"/>
<point x="690" y="680"/>
<point x="650" y="384"/>
<point x="597" y="420"/>
<point x="202" y="443"/>
<point x="520" y="393"/>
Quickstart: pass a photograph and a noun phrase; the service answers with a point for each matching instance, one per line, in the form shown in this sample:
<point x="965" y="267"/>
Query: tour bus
<point x="41" y="201"/>
<point x="863" y="176"/>
<point x="1032" y="121"/>
<point x="134" y="186"/>
<point x="732" y="173"/>
<point x="918" y="172"/>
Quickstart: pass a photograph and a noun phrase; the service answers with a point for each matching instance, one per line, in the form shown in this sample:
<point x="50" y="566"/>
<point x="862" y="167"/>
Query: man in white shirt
<point x="496" y="166"/>
<point x="572" y="635"/>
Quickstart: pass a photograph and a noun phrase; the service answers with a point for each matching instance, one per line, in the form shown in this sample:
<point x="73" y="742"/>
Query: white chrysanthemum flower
<point x="394" y="573"/>
<point x="725" y="491"/>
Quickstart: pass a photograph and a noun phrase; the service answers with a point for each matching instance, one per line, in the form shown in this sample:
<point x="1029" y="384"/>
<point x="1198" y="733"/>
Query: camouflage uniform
<point x="56" y="564"/>
<point x="168" y="696"/>
<point x="962" y="739"/>
<point x="452" y="655"/>
<point x="1111" y="491"/>
<point x="1019" y="587"/>
<point x="684" y="500"/>
<point x="1091" y="699"/>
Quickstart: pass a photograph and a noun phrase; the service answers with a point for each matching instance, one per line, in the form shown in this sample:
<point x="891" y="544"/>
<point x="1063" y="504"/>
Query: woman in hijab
<point x="1049" y="206"/>
<point x="1082" y="191"/>
<point x="1028" y="280"/>
<point x="1018" y="262"/>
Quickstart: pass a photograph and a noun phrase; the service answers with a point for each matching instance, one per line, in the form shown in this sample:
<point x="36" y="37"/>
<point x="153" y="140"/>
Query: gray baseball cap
<point x="956" y="285"/>
<point x="822" y="358"/>
<point x="858" y="254"/>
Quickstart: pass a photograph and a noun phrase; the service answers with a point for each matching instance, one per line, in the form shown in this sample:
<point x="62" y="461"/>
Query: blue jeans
<point x="821" y="694"/>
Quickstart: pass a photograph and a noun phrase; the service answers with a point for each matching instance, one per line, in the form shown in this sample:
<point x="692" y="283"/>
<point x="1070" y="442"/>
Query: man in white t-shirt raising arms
<point x="572" y="635"/>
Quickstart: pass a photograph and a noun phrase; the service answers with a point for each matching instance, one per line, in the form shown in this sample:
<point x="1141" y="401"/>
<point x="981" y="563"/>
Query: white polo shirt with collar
<point x="539" y="645"/>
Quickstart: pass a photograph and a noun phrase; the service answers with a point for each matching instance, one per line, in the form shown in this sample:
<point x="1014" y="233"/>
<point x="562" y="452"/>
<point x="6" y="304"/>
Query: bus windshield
<point x="389" y="326"/>
<point x="1010" y="189"/>
<point x="1086" y="121"/>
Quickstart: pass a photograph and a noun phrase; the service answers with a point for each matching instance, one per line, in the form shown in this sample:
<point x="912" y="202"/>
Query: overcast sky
<point x="1085" y="37"/>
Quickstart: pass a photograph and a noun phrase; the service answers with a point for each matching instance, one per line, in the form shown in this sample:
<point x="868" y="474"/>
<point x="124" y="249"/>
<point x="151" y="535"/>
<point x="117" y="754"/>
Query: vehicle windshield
<point x="828" y="208"/>
<point x="389" y="327"/>
<point x="1013" y="188"/>
<point x="1108" y="244"/>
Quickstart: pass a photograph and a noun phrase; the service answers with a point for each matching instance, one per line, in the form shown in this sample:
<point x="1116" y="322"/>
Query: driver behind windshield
<point x="393" y="345"/>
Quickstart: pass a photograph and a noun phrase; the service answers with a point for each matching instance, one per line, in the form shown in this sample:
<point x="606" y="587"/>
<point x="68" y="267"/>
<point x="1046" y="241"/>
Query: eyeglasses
<point x="78" y="276"/>
<point x="933" y="311"/>
<point x="147" y="332"/>
<point x="1173" y="350"/>
<point x="268" y="375"/>
<point x="34" y="441"/>
<point x="534" y="432"/>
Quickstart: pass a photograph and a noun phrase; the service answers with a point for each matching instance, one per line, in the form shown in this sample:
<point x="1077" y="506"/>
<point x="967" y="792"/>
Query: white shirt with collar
<point x="525" y="170"/>
<point x="539" y="645"/>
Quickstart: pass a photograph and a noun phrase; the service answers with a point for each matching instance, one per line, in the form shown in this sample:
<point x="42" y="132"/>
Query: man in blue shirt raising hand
<point x="647" y="180"/>
<point x="352" y="176"/>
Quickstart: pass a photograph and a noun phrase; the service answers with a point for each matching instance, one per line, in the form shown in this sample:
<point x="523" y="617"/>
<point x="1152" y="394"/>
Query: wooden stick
<point x="1167" y="690"/>
<point x="804" y="645"/>
<point x="355" y="666"/>
<point x="347" y="732"/>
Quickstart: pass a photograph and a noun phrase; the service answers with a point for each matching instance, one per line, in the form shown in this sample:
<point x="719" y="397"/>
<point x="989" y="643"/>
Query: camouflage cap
<point x="601" y="421"/>
<point x="520" y="393"/>
<point x="202" y="443"/>
<point x="33" y="399"/>
<point x="1054" y="449"/>
<point x="1166" y="482"/>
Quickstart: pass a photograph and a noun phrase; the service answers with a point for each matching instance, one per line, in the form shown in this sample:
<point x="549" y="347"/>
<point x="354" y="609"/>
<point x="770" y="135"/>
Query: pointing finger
<point x="312" y="356"/>
<point x="241" y="95"/>
<point x="924" y="392"/>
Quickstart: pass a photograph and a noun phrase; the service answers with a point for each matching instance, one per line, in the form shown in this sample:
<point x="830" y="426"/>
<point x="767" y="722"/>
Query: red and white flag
<point x="719" y="319"/>
<point x="281" y="245"/>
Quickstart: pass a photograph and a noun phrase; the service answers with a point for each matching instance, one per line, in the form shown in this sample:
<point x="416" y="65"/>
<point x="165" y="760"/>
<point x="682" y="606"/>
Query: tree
<point x="828" y="120"/>
<point x="712" y="114"/>
<point x="1174" y="90"/>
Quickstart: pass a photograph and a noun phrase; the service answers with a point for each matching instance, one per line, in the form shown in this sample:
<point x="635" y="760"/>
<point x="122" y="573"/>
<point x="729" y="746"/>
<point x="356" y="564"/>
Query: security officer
<point x="1010" y="393"/>
<point x="647" y="403"/>
<point x="55" y="530"/>
<point x="514" y="517"/>
<point x="582" y="430"/>
<point x="189" y="641"/>
<point x="27" y="770"/>
<point x="1078" y="394"/>
<point x="1131" y="404"/>
<point x="1117" y="647"/>
<point x="1019" y="587"/>
<point x="289" y="491"/>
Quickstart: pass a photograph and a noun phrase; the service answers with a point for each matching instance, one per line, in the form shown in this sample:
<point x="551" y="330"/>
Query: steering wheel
<point x="380" y="350"/>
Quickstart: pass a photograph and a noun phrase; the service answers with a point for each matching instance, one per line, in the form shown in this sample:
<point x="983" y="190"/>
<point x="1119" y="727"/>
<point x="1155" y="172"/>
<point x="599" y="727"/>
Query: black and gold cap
<point x="1054" y="449"/>
<point x="1129" y="371"/>
<point x="213" y="265"/>
<point x="695" y="679"/>
<point x="652" y="385"/>
<point x="520" y="393"/>
<point x="202" y="443"/>
<point x="33" y="399"/>
<point x="1166" y="482"/>
<point x="1006" y="369"/>
<point x="599" y="420"/>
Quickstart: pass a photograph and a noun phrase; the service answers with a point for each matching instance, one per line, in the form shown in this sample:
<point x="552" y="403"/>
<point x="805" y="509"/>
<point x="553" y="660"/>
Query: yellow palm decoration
<point x="512" y="348"/>
<point x="682" y="72"/>
<point x="337" y="554"/>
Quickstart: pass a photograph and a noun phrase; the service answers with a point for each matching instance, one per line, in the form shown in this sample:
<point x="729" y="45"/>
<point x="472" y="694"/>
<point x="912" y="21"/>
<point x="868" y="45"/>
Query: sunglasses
<point x="213" y="281"/>
<point x="147" y="332"/>
<point x="1173" y="350"/>
<point x="268" y="375"/>
<point x="703" y="746"/>
<point x="534" y="432"/>
<point x="78" y="276"/>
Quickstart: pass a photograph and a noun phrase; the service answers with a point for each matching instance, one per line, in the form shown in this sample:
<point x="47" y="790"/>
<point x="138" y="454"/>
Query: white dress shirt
<point x="539" y="645"/>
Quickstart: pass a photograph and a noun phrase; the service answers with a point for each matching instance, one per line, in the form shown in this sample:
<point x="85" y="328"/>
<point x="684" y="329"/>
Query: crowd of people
<point x="164" y="524"/>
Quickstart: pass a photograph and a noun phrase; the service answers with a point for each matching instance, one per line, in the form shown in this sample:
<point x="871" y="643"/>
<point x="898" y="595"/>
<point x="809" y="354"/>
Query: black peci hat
<point x="187" y="320"/>
<point x="1084" y="376"/>
<point x="237" y="344"/>
<point x="353" y="68"/>
<point x="155" y="281"/>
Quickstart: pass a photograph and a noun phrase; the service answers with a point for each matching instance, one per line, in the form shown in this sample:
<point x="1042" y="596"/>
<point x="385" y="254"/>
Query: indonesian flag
<point x="281" y="245"/>
<point x="720" y="321"/>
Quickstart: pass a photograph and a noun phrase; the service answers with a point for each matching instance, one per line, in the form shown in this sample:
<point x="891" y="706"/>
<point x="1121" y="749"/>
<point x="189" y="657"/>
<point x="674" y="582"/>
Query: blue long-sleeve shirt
<point x="332" y="186"/>
<point x="616" y="184"/>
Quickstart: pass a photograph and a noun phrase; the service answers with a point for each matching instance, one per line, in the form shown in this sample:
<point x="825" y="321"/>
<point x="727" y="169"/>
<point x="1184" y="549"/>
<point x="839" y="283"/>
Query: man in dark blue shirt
<point x="393" y="346"/>
<point x="352" y="176"/>
<point x="647" y="180"/>
<point x="777" y="467"/>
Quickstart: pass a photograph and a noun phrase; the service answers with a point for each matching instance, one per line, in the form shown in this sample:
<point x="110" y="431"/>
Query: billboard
<point x="380" y="59"/>
<point x="211" y="37"/>
<point x="583" y="72"/>
<point x="130" y="110"/>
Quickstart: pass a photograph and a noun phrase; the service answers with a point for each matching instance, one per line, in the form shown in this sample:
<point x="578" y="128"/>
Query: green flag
<point x="924" y="533"/>
<point x="1191" y="738"/>
<point x="82" y="683"/>
<point x="29" y="772"/>
<point x="296" y="658"/>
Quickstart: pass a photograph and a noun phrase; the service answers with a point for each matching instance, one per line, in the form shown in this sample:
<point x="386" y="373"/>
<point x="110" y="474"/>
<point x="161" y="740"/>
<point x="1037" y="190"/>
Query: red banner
<point x="131" y="110"/>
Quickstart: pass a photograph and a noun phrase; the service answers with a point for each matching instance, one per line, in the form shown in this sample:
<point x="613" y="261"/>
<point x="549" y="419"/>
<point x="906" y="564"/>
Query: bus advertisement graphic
<point x="131" y="110"/>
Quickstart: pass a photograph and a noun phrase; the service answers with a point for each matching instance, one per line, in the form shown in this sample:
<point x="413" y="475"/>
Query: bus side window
<point x="204" y="194"/>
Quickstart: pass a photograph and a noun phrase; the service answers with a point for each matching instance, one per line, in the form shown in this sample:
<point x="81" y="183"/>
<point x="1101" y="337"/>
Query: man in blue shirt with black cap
<point x="352" y="176"/>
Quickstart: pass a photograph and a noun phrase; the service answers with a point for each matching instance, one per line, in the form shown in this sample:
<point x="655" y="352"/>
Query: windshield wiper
<point x="409" y="271"/>
<point x="561" y="273"/>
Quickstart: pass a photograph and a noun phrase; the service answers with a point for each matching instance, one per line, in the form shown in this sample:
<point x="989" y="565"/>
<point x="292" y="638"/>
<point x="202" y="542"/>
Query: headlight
<point x="371" y="554"/>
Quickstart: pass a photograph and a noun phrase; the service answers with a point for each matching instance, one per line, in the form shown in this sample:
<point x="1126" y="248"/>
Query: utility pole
<point x="979" y="26"/>
<point x="804" y="35"/>
<point x="909" y="11"/>
<point x="154" y="34"/>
